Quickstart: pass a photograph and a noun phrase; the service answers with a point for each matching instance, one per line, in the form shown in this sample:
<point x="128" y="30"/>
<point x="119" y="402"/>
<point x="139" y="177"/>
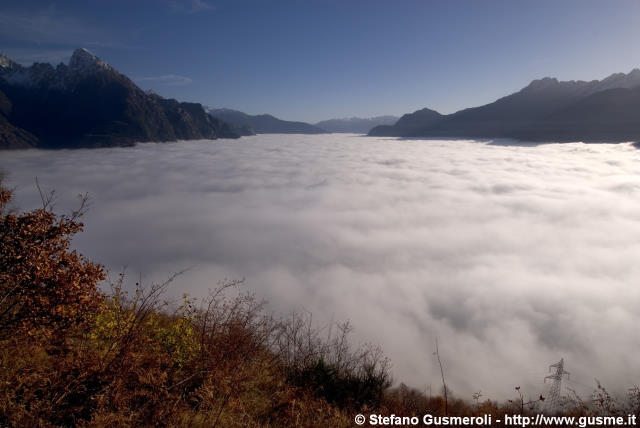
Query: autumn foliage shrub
<point x="44" y="286"/>
<point x="78" y="351"/>
<point x="48" y="301"/>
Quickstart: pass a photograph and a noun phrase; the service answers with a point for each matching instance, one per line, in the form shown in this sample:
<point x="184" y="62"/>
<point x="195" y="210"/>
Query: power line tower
<point x="555" y="400"/>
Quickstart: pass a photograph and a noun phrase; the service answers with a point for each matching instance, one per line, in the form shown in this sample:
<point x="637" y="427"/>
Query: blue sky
<point x="312" y="60"/>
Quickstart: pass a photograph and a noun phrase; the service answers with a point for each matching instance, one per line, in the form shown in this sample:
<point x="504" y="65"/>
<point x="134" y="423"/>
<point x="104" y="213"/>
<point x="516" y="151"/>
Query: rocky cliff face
<point x="90" y="104"/>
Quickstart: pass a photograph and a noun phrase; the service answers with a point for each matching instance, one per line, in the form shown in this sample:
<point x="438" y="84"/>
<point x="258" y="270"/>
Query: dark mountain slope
<point x="239" y="121"/>
<point x="545" y="110"/>
<point x="509" y="114"/>
<point x="12" y="137"/>
<point x="90" y="104"/>
<point x="408" y="124"/>
<point x="612" y="115"/>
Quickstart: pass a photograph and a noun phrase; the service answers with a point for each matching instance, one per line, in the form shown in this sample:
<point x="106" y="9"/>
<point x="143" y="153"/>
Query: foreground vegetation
<point x="73" y="354"/>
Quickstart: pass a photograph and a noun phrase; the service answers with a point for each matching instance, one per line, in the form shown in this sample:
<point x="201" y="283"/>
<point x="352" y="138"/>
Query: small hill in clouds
<point x="545" y="110"/>
<point x="88" y="103"/>
<point x="248" y="124"/>
<point x="355" y="125"/>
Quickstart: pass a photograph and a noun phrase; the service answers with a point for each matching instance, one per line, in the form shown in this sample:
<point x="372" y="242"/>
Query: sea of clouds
<point x="513" y="256"/>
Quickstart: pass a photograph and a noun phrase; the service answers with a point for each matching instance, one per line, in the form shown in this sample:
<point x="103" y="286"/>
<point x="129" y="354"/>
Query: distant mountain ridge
<point x="88" y="103"/>
<point x="355" y="125"/>
<point x="545" y="110"/>
<point x="408" y="123"/>
<point x="263" y="123"/>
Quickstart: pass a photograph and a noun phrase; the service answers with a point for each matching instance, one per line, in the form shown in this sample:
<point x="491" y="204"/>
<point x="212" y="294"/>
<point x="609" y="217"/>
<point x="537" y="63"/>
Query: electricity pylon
<point x="555" y="400"/>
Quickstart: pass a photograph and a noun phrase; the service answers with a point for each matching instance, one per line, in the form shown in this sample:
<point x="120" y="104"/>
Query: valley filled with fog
<point x="513" y="256"/>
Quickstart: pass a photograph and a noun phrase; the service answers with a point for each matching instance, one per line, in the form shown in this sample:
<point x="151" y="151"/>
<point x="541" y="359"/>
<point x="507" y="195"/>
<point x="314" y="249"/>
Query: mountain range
<point x="355" y="125"/>
<point x="88" y="103"/>
<point x="247" y="124"/>
<point x="605" y="110"/>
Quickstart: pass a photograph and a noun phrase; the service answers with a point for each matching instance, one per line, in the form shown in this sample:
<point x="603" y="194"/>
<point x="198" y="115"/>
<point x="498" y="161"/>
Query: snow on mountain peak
<point x="4" y="61"/>
<point x="7" y="63"/>
<point x="82" y="64"/>
<point x="83" y="60"/>
<point x="13" y="72"/>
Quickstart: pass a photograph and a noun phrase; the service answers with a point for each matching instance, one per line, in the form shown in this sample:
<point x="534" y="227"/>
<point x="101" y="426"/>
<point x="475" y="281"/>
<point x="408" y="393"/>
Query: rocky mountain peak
<point x="83" y="64"/>
<point x="90" y="104"/>
<point x="620" y="80"/>
<point x="582" y="88"/>
<point x="7" y="63"/>
<point x="541" y="84"/>
<point x="84" y="61"/>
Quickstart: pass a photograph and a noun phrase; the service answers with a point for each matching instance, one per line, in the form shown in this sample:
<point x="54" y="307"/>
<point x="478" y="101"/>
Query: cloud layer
<point x="513" y="256"/>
